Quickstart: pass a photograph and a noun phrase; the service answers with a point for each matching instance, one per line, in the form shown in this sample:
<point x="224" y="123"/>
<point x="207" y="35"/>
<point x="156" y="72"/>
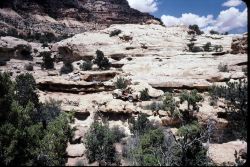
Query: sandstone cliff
<point x="47" y="20"/>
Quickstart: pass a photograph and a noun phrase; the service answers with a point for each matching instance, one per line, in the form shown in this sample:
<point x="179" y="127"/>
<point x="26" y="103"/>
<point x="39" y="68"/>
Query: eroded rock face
<point x="239" y="44"/>
<point x="155" y="54"/>
<point x="223" y="154"/>
<point x="11" y="47"/>
<point x="55" y="18"/>
<point x="56" y="84"/>
<point x="75" y="150"/>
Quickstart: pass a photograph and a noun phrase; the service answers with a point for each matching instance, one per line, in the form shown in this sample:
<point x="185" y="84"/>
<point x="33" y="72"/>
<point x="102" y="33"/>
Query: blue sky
<point x="219" y="15"/>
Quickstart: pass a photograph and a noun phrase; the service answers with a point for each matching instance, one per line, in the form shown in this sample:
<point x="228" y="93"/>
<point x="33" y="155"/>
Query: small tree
<point x="87" y="65"/>
<point x="102" y="61"/>
<point x="196" y="29"/>
<point x="207" y="46"/>
<point x="99" y="144"/>
<point x="192" y="152"/>
<point x="115" y="32"/>
<point x="236" y="96"/>
<point x="223" y="67"/>
<point x="155" y="106"/>
<point x="141" y="125"/>
<point x="121" y="83"/>
<point x="218" y="48"/>
<point x="26" y="90"/>
<point x="192" y="98"/>
<point x="48" y="61"/>
<point x="169" y="104"/>
<point x="144" y="95"/>
<point x="66" y="68"/>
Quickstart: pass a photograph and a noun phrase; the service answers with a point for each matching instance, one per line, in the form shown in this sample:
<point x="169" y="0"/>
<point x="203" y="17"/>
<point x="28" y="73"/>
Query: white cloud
<point x="188" y="19"/>
<point x="230" y="19"/>
<point x="227" y="20"/>
<point x="232" y="3"/>
<point x="146" y="6"/>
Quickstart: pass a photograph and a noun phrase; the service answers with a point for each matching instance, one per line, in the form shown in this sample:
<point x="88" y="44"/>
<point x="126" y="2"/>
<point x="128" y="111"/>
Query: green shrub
<point x="24" y="139"/>
<point x="207" y="47"/>
<point x="48" y="61"/>
<point x="140" y="125"/>
<point x="86" y="66"/>
<point x="99" y="144"/>
<point x="26" y="89"/>
<point x="102" y="61"/>
<point x="223" y="67"/>
<point x="121" y="83"/>
<point x="50" y="110"/>
<point x="192" y="98"/>
<point x="169" y="103"/>
<point x="218" y="48"/>
<point x="66" y="68"/>
<point x="197" y="49"/>
<point x="154" y="106"/>
<point x="6" y="95"/>
<point x="118" y="133"/>
<point x="190" y="130"/>
<point x="115" y="33"/>
<point x="144" y="95"/>
<point x="236" y="96"/>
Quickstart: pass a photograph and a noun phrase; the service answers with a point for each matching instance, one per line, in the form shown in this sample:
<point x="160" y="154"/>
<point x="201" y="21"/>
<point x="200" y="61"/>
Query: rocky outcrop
<point x="154" y="54"/>
<point x="91" y="76"/>
<point x="56" y="84"/>
<point x="75" y="150"/>
<point x="47" y="20"/>
<point x="239" y="44"/>
<point x="11" y="47"/>
<point x="223" y="154"/>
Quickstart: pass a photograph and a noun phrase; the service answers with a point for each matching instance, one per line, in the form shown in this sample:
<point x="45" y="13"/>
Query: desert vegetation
<point x="32" y="133"/>
<point x="85" y="84"/>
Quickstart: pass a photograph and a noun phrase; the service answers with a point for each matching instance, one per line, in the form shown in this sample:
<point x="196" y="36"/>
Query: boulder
<point x="151" y="91"/>
<point x="59" y="84"/>
<point x="14" y="48"/>
<point x="91" y="76"/>
<point x="75" y="150"/>
<point x="71" y="52"/>
<point x="223" y="153"/>
<point x="79" y="134"/>
<point x="118" y="106"/>
<point x="152" y="21"/>
<point x="239" y="44"/>
<point x="78" y="161"/>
